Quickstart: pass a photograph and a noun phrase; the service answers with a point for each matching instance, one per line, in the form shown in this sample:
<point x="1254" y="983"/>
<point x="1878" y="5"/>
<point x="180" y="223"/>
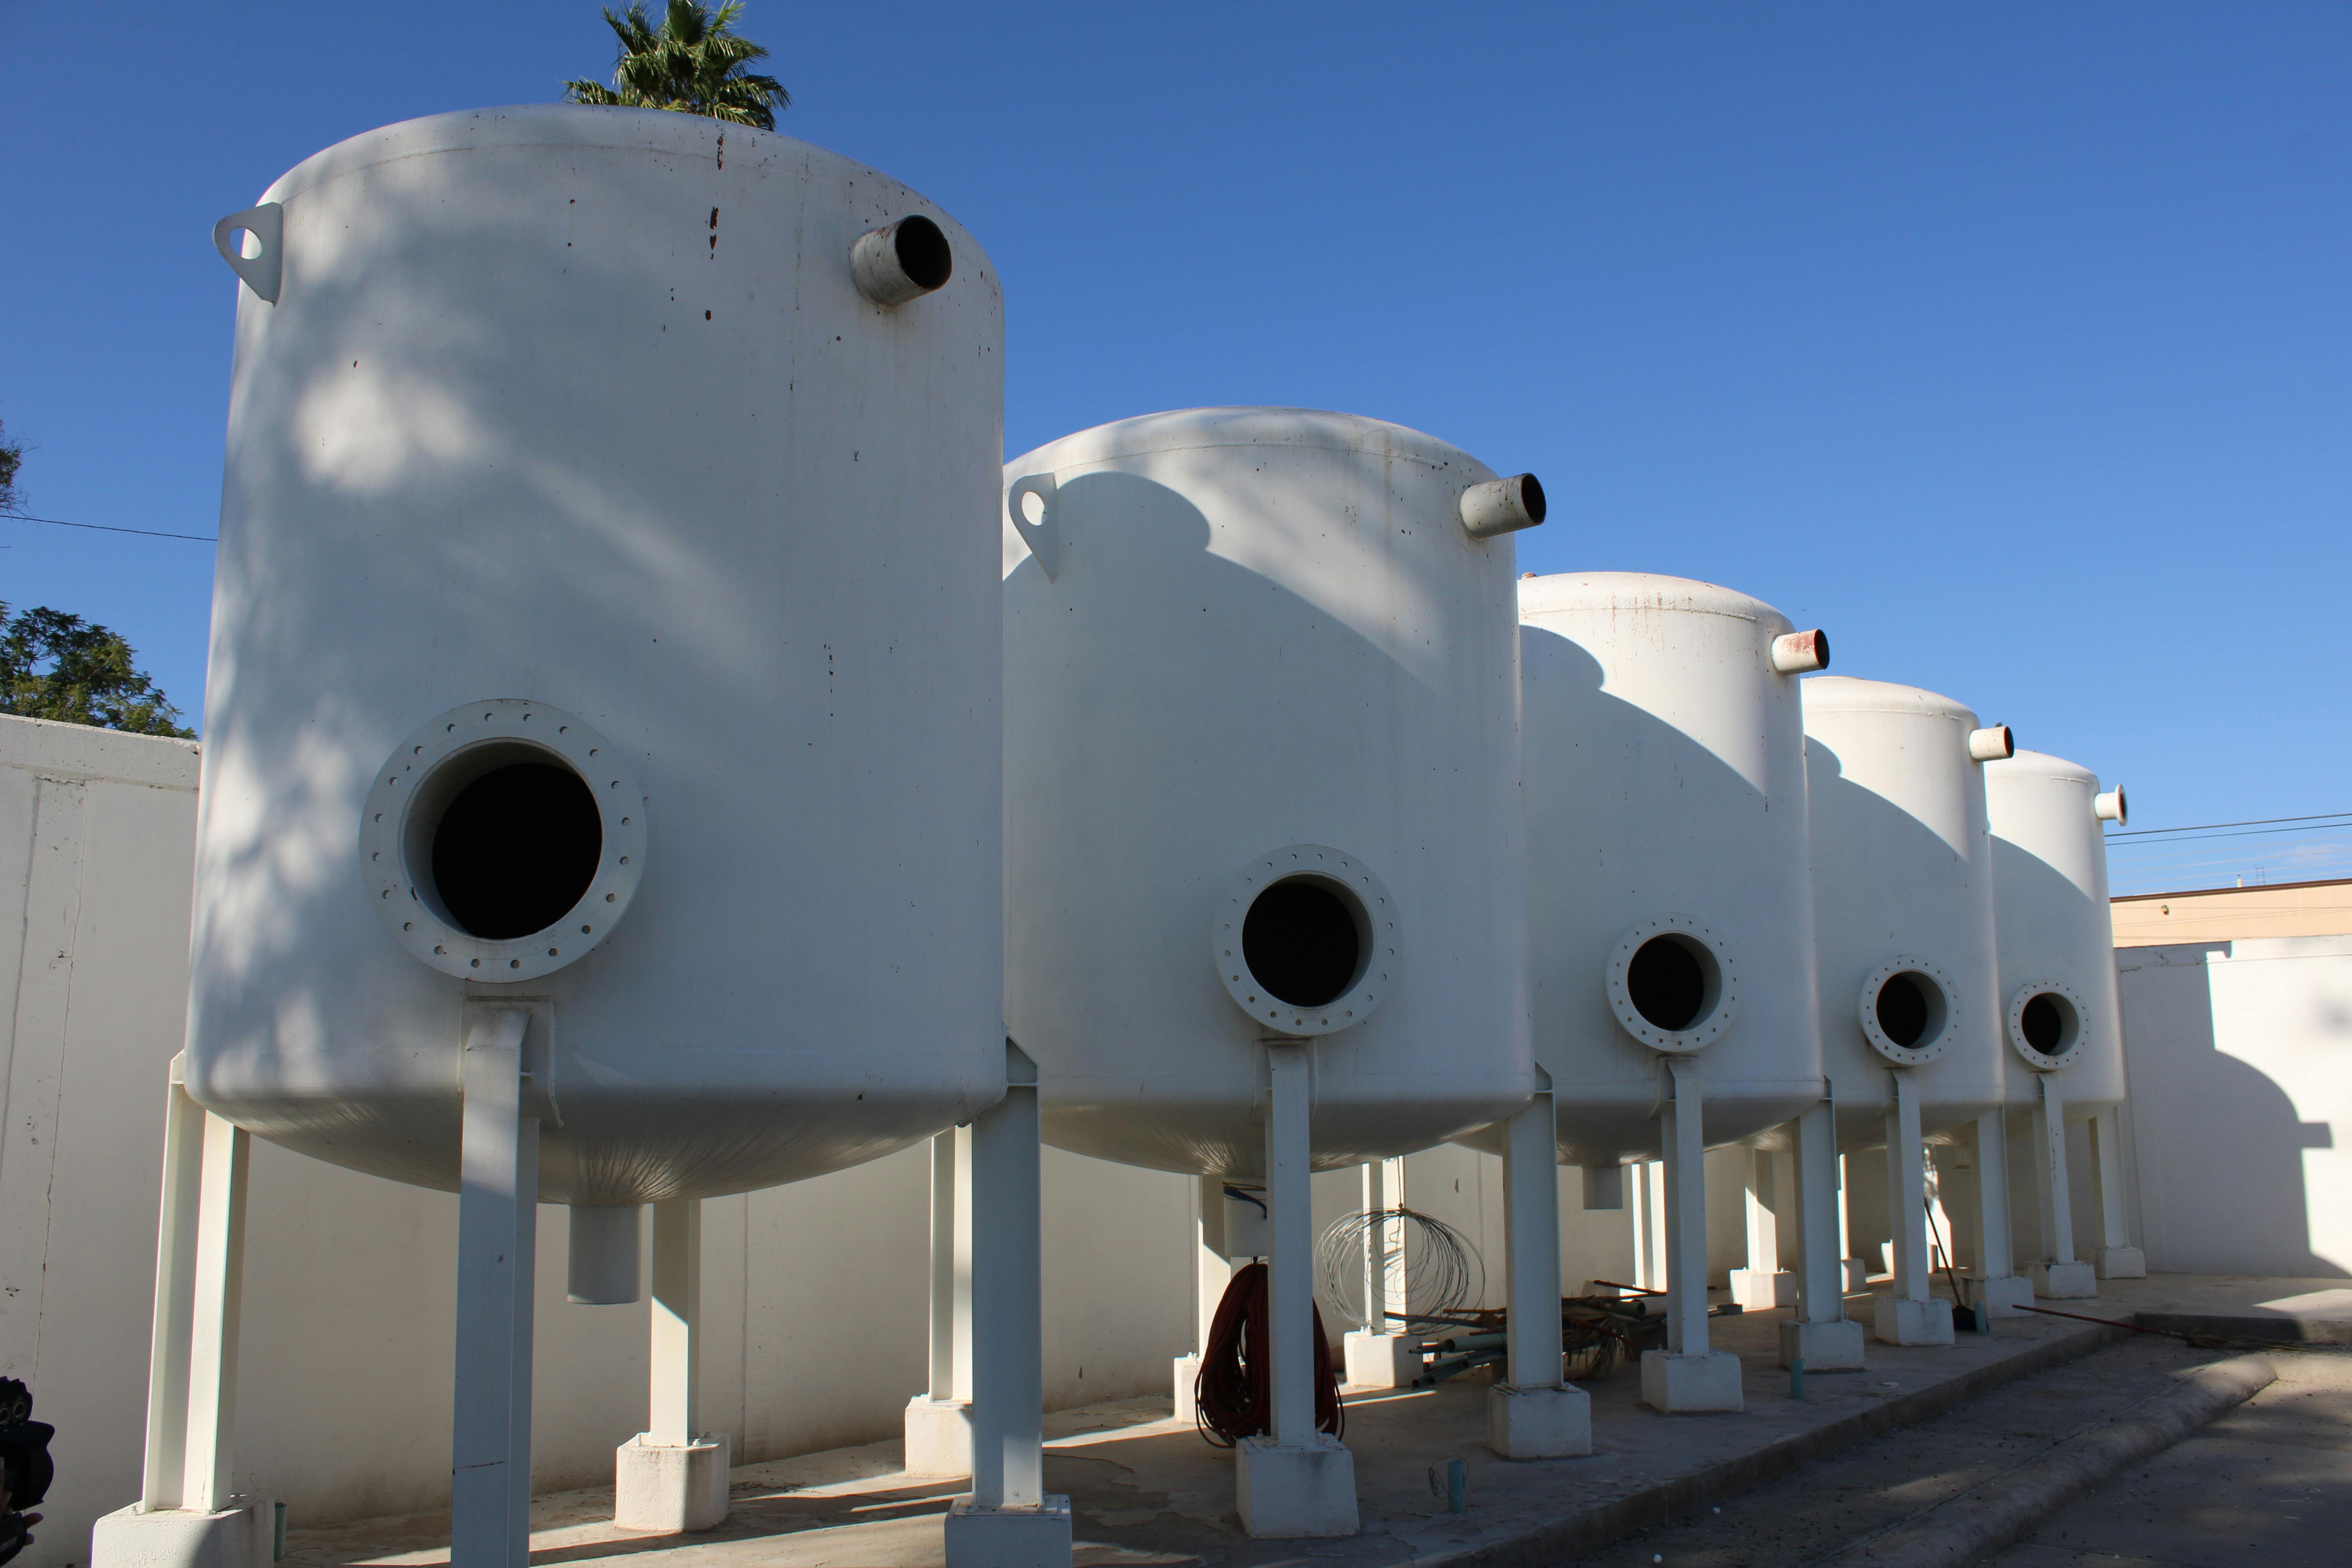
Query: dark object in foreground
<point x="1231" y="1397"/>
<point x="25" y="1467"/>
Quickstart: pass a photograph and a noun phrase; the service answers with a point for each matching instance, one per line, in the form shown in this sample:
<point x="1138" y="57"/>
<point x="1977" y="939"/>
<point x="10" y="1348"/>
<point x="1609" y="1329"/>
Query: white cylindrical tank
<point x="1902" y="902"/>
<point x="2060" y="1011"/>
<point x="1671" y="894"/>
<point x="603" y="620"/>
<point x="1262" y="780"/>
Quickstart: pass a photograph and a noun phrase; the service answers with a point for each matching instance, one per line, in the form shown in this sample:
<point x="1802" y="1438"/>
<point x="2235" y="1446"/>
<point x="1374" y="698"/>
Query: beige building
<point x="2231" y="914"/>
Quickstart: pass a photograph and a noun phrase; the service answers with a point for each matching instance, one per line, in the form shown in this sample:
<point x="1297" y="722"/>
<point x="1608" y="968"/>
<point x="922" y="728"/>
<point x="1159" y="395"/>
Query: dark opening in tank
<point x="516" y="849"/>
<point x="1902" y="1008"/>
<point x="924" y="254"/>
<point x="1531" y="497"/>
<point x="1303" y="943"/>
<point x="2044" y="1023"/>
<point x="1667" y="983"/>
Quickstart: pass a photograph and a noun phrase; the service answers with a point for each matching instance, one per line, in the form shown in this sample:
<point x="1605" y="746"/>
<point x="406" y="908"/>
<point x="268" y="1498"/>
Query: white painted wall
<point x="2239" y="1128"/>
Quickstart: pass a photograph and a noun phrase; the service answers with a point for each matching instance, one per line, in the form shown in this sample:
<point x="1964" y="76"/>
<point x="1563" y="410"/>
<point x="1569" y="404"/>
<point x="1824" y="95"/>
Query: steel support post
<point x="1683" y="1138"/>
<point x="1290" y="1263"/>
<point x="498" y="1209"/>
<point x="163" y="1474"/>
<point x="675" y="1405"/>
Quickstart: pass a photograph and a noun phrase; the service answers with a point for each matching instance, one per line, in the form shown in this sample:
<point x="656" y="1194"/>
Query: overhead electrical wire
<point x="107" y="528"/>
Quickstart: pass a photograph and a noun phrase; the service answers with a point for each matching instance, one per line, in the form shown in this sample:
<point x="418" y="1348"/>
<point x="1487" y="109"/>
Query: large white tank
<point x="1262" y="778"/>
<point x="2060" y="1012"/>
<point x="1902" y="902"/>
<point x="603" y="618"/>
<point x="1671" y="894"/>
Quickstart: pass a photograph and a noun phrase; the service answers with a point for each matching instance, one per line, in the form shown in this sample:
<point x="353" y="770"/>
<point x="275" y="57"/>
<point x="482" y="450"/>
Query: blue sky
<point x="2012" y="343"/>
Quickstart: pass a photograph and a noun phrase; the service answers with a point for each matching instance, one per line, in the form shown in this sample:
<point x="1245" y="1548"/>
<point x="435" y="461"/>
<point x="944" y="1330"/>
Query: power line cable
<point x="103" y="528"/>
<point x="2205" y="826"/>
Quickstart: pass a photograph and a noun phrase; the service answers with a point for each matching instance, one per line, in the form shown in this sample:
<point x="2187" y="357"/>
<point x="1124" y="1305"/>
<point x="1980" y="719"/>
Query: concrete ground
<point x="1146" y="1490"/>
<point x="2271" y="1482"/>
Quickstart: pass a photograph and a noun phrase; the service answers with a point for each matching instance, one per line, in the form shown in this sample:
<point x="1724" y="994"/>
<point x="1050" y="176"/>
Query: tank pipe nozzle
<point x="1502" y="506"/>
<point x="2109" y="806"/>
<point x="901" y="262"/>
<point x="1994" y="744"/>
<point x="1799" y="652"/>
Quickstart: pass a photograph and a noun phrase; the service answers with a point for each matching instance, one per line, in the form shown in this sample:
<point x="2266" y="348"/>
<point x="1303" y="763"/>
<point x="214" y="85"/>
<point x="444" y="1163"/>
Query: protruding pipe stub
<point x="2108" y="805"/>
<point x="1502" y="506"/>
<point x="902" y="262"/>
<point x="1799" y="652"/>
<point x="603" y="1269"/>
<point x="1994" y="744"/>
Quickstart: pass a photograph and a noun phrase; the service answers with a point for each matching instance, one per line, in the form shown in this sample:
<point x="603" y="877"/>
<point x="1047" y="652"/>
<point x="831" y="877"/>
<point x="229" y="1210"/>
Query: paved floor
<point x="1147" y="1490"/>
<point x="2270" y="1483"/>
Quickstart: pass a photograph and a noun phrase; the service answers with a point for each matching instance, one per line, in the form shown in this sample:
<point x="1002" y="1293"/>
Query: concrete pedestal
<point x="1186" y="1384"/>
<point x="1294" y="1491"/>
<point x="1691" y="1384"/>
<point x="2006" y="1297"/>
<point x="1037" y="1537"/>
<point x="671" y="1487"/>
<point x="1902" y="1320"/>
<point x="939" y="1435"/>
<point x="2122" y="1263"/>
<point x="1857" y="1276"/>
<point x="2064" y="1281"/>
<point x="1825" y="1347"/>
<point x="1538" y="1423"/>
<point x="240" y="1536"/>
<point x="1757" y="1291"/>
<point x="1382" y="1361"/>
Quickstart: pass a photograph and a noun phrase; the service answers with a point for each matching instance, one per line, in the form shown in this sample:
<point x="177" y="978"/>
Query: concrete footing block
<point x="938" y="1436"/>
<point x="1902" y="1320"/>
<point x="1382" y="1360"/>
<point x="1033" y="1537"/>
<point x="2007" y="1297"/>
<point x="1758" y="1290"/>
<point x="1288" y="1492"/>
<point x="1538" y="1423"/>
<point x="2064" y="1281"/>
<point x="1692" y="1384"/>
<point x="2122" y="1263"/>
<point x="1857" y="1276"/>
<point x="1825" y="1347"/>
<point x="239" y="1536"/>
<point x="671" y="1487"/>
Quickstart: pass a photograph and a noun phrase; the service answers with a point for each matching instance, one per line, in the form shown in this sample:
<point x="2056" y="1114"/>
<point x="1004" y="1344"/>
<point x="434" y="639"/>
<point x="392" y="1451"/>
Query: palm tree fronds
<point x="691" y="64"/>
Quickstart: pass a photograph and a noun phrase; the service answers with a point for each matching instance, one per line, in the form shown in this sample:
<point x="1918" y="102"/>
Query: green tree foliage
<point x="693" y="63"/>
<point x="12" y="457"/>
<point x="57" y="665"/>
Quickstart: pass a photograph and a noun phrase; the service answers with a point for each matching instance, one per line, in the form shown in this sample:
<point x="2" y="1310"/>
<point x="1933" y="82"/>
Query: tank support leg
<point x="673" y="1476"/>
<point x="1910" y="1313"/>
<point x="1535" y="1415"/>
<point x="186" y="1512"/>
<point x="2118" y="1258"/>
<point x="939" y="1419"/>
<point x="1295" y="1480"/>
<point x="1687" y="1375"/>
<point x="497" y="1225"/>
<point x="1380" y="1354"/>
<point x="2058" y="1275"/>
<point x="1817" y="1332"/>
<point x="2004" y="1290"/>
<point x="1763" y="1285"/>
<point x="1007" y="1521"/>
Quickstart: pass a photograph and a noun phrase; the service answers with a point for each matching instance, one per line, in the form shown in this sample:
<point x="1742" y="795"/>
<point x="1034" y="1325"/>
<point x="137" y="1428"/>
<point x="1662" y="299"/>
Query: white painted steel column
<point x="1820" y="1228"/>
<point x="1685" y="1206"/>
<point x="1392" y="1245"/>
<point x="1290" y="1241"/>
<point x="2108" y="1145"/>
<point x="2050" y="1170"/>
<point x="1844" y="1218"/>
<point x="214" y="1319"/>
<point x="676" y="1403"/>
<point x="1763" y="1222"/>
<point x="1907" y="1182"/>
<point x="1212" y="1267"/>
<point x="1996" y="1259"/>
<point x="945" y="1274"/>
<point x="1532" y="1237"/>
<point x="1008" y="1372"/>
<point x="1651" y="1270"/>
<point x="1374" y="1318"/>
<point x="163" y="1473"/>
<point x="498" y="1209"/>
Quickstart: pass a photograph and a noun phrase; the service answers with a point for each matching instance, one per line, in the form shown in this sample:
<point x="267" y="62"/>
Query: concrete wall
<point x="2239" y="1130"/>
<point x="97" y="835"/>
<point x="2233" y="914"/>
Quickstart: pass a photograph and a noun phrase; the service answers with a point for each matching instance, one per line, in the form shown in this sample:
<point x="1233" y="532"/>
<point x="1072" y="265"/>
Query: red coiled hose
<point x="1231" y="1395"/>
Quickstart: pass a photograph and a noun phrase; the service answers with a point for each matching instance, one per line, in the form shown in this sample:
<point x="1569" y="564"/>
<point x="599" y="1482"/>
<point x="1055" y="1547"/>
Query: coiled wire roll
<point x="1443" y="1273"/>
